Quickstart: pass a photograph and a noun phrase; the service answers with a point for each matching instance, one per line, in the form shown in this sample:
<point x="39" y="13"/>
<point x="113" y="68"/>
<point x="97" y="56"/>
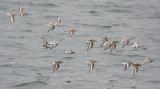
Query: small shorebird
<point x="71" y="31"/>
<point x="107" y="45"/>
<point x="69" y="51"/>
<point x="125" y="41"/>
<point x="90" y="44"/>
<point x="56" y="65"/>
<point x="22" y="11"/>
<point x="136" y="45"/>
<point x="136" y="67"/>
<point x="104" y="39"/>
<point x="110" y="44"/>
<point x="44" y="43"/>
<point x="147" y="60"/>
<point x="59" y="20"/>
<point x="91" y="65"/>
<point x="12" y="17"/>
<point x="53" y="44"/>
<point x="51" y="26"/>
<point x="126" y="65"/>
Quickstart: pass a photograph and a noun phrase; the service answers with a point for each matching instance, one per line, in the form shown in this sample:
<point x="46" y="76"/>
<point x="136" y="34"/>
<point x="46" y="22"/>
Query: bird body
<point x="147" y="60"/>
<point x="91" y="65"/>
<point x="56" y="65"/>
<point x="136" y="45"/>
<point x="51" y="26"/>
<point x="110" y="44"/>
<point x="12" y="17"/>
<point x="104" y="39"/>
<point x="22" y="11"/>
<point x="71" y="31"/>
<point x="53" y="44"/>
<point x="90" y="44"/>
<point x="126" y="65"/>
<point x="125" y="41"/>
<point x="136" y="67"/>
<point x="69" y="51"/>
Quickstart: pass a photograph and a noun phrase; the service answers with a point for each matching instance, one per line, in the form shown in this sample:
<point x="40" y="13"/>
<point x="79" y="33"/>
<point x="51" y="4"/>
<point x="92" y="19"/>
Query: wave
<point x="31" y="84"/>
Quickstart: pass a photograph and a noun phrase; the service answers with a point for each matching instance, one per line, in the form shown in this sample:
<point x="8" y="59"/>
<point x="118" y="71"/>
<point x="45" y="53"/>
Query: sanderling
<point x="136" y="67"/>
<point x="111" y="44"/>
<point x="147" y="60"/>
<point x="44" y="43"/>
<point x="104" y="39"/>
<point x="56" y="65"/>
<point x="90" y="44"/>
<point x="126" y="65"/>
<point x="51" y="26"/>
<point x="136" y="45"/>
<point x="69" y="51"/>
<point x="91" y="65"/>
<point x="71" y="31"/>
<point x="22" y="11"/>
<point x="53" y="44"/>
<point x="59" y="20"/>
<point x="106" y="45"/>
<point x="125" y="41"/>
<point x="12" y="17"/>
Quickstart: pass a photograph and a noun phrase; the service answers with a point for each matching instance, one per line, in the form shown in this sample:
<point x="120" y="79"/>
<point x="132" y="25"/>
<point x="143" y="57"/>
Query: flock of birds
<point x="107" y="43"/>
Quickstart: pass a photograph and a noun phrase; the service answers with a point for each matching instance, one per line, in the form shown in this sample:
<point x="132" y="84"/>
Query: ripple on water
<point x="7" y="64"/>
<point x="92" y="12"/>
<point x="134" y="55"/>
<point x="69" y="57"/>
<point x="155" y="81"/>
<point x="31" y="85"/>
<point x="45" y="5"/>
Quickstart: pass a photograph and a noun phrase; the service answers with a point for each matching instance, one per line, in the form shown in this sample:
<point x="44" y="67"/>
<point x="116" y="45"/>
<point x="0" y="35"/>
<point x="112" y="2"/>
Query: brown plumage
<point x="71" y="31"/>
<point x="56" y="65"/>
<point x="136" y="67"/>
<point x="22" y="11"/>
<point x="12" y="17"/>
<point x="125" y="41"/>
<point x="90" y="44"/>
<point x="91" y="65"/>
<point x="147" y="60"/>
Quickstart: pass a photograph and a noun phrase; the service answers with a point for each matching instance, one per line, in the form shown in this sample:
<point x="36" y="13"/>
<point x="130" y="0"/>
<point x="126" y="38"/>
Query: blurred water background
<point x="24" y="65"/>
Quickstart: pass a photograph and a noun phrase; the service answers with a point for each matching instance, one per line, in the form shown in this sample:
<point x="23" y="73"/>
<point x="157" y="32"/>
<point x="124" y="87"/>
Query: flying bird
<point x="91" y="64"/>
<point x="12" y="17"/>
<point x="90" y="44"/>
<point x="56" y="65"/>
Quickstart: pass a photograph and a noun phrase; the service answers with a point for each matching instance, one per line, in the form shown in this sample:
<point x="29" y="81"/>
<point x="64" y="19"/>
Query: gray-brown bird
<point x="69" y="51"/>
<point x="113" y="45"/>
<point x="44" y="43"/>
<point x="136" y="45"/>
<point x="126" y="65"/>
<point x="12" y="17"/>
<point x="136" y="67"/>
<point x="53" y="44"/>
<point x="51" y="26"/>
<point x="90" y="44"/>
<point x="91" y="64"/>
<point x="104" y="39"/>
<point x="22" y="11"/>
<point x="56" y="65"/>
<point x="147" y="60"/>
<point x="125" y="41"/>
<point x="71" y="31"/>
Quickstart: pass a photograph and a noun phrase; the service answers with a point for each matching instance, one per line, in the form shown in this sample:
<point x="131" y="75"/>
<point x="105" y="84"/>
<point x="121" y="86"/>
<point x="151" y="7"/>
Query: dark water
<point x="24" y="65"/>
